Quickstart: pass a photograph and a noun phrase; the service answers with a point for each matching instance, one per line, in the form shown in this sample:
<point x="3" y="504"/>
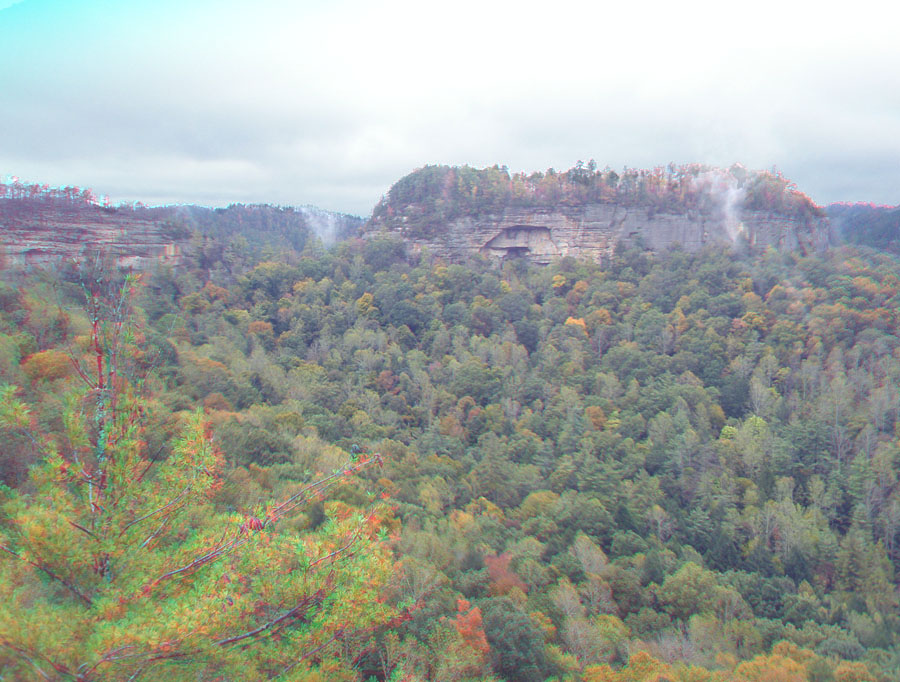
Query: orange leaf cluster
<point x="469" y="625"/>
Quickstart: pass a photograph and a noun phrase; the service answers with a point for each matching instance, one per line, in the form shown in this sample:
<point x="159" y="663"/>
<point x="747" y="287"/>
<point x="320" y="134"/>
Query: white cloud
<point x="329" y="102"/>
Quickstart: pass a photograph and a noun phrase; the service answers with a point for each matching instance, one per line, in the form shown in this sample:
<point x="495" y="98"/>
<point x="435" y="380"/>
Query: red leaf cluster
<point x="502" y="578"/>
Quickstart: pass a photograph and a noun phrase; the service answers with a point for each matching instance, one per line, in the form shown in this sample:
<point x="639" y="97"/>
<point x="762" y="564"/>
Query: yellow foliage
<point x="596" y="416"/>
<point x="537" y="503"/>
<point x="544" y="624"/>
<point x="387" y="485"/>
<point x="865" y="286"/>
<point x="792" y="651"/>
<point x="365" y="304"/>
<point x="566" y="663"/>
<point x="852" y="671"/>
<point x="754" y="320"/>
<point x="261" y="328"/>
<point x="577" y="292"/>
<point x="776" y="293"/>
<point x="450" y="426"/>
<point x="484" y="507"/>
<point x="47" y="365"/>
<point x="194" y="303"/>
<point x="601" y="673"/>
<point x="430" y="498"/>
<point x="774" y="668"/>
<point x="461" y="521"/>
<point x="302" y="285"/>
<point x="598" y="317"/>
<point x="625" y="289"/>
<point x="752" y="302"/>
<point x="678" y="321"/>
<point x="642" y="667"/>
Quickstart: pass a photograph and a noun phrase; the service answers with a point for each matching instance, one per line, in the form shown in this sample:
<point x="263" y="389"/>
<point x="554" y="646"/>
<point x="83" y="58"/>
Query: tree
<point x="116" y="563"/>
<point x="516" y="645"/>
<point x="689" y="590"/>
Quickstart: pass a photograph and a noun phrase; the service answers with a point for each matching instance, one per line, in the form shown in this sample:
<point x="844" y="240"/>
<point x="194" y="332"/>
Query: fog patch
<point x="726" y="191"/>
<point x="329" y="227"/>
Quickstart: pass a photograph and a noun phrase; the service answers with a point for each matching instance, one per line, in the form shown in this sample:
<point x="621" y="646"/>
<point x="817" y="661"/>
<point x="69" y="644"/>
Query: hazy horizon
<point x="328" y="104"/>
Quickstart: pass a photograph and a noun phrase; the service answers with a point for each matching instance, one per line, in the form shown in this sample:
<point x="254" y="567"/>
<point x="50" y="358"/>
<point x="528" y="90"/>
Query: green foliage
<point x="427" y="198"/>
<point x="117" y="563"/>
<point x="517" y="653"/>
<point x="703" y="468"/>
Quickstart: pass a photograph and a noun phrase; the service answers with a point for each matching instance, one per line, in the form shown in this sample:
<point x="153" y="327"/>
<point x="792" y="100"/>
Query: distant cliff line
<point x="40" y="225"/>
<point x="457" y="212"/>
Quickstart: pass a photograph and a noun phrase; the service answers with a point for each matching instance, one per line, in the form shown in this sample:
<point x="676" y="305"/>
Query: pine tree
<point x="117" y="565"/>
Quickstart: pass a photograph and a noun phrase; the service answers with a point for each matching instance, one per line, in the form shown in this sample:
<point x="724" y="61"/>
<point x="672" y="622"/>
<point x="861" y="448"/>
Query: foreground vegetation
<point x="674" y="466"/>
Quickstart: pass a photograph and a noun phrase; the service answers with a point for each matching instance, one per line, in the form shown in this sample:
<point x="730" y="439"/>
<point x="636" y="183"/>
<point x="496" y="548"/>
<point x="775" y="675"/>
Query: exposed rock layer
<point x="41" y="231"/>
<point x="593" y="231"/>
<point x="40" y="235"/>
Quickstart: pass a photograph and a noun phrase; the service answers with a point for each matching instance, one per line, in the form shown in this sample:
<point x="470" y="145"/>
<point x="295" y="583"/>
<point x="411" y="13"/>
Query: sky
<point x="328" y="102"/>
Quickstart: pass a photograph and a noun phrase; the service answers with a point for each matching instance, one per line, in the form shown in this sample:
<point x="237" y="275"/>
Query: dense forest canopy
<point x="125" y="554"/>
<point x="674" y="466"/>
<point x="432" y="195"/>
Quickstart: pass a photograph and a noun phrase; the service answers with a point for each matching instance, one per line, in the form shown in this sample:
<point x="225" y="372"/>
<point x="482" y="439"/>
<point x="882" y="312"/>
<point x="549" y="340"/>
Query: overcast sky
<point x="329" y="102"/>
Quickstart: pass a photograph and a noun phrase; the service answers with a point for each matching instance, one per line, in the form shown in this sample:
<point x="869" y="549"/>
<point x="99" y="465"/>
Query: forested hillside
<point x="674" y="466"/>
<point x="429" y="197"/>
<point x="875" y="226"/>
<point x="43" y="225"/>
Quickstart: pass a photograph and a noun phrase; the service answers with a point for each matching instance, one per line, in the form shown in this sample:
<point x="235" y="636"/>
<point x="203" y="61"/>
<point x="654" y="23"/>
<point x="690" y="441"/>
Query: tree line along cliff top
<point x="434" y="195"/>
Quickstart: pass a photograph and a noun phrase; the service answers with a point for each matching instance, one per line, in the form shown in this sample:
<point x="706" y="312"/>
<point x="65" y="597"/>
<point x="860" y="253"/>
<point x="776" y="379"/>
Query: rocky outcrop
<point x="36" y="234"/>
<point x="42" y="230"/>
<point x="459" y="211"/>
<point x="593" y="231"/>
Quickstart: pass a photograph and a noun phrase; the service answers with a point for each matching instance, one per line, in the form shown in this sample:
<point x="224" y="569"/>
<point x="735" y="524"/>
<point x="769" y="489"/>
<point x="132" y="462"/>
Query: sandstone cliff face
<point x="42" y="231"/>
<point x="34" y="235"/>
<point x="593" y="231"/>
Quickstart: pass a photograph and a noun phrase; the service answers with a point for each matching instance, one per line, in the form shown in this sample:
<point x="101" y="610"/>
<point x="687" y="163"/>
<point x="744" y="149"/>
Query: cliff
<point x="457" y="213"/>
<point x="36" y="232"/>
<point x="41" y="226"/>
<point x="594" y="230"/>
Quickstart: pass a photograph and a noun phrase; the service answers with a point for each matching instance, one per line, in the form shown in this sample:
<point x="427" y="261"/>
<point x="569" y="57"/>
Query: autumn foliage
<point x="697" y="484"/>
<point x="468" y="624"/>
<point x="116" y="563"/>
